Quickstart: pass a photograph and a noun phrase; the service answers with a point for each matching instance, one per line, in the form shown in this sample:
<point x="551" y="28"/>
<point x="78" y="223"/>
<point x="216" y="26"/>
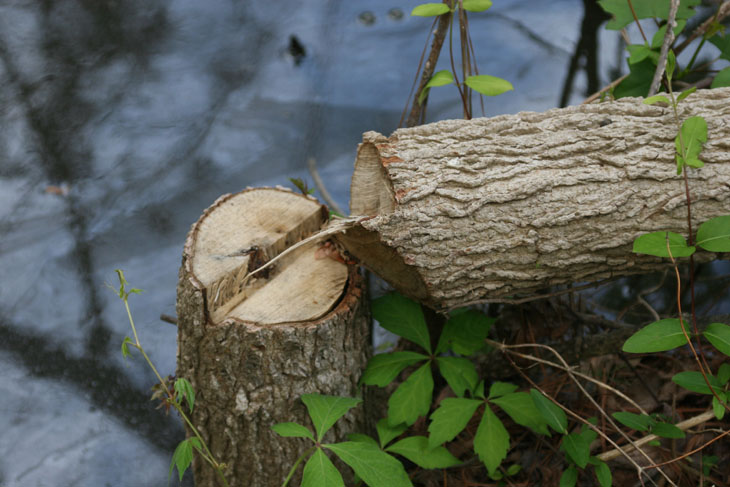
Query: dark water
<point x="120" y="121"/>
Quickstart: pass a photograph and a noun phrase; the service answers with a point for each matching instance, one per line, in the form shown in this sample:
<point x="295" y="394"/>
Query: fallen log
<point x="253" y="339"/>
<point x="459" y="212"/>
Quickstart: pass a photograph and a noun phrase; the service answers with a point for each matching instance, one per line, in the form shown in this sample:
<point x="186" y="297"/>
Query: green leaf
<point x="656" y="244"/>
<point x="656" y="99"/>
<point x="375" y="467"/>
<point x="403" y="317"/>
<point x="491" y="441"/>
<point x="292" y="430"/>
<point x="182" y="457"/>
<point x="361" y="437"/>
<point x="498" y="389"/>
<point x="695" y="382"/>
<point x="441" y="78"/>
<point x="708" y="461"/>
<point x="459" y="373"/>
<point x="658" y="39"/>
<point x="551" y="412"/>
<point x="569" y="477"/>
<point x="319" y="471"/>
<point x="638" y="81"/>
<point x="479" y="390"/>
<point x="659" y="336"/>
<point x="671" y="64"/>
<point x="514" y="469"/>
<point x="464" y="332"/>
<point x="521" y="408"/>
<point x="686" y="93"/>
<point x="416" y="449"/>
<point x="578" y="447"/>
<point x="183" y="388"/>
<point x="386" y="432"/>
<point x="666" y="430"/>
<point x="385" y="367"/>
<point x="430" y="9"/>
<point x="450" y="419"/>
<point x="476" y="5"/>
<point x="694" y="135"/>
<point x="488" y="85"/>
<point x="413" y="397"/>
<point x="722" y="42"/>
<point x="326" y="410"/>
<point x="644" y="9"/>
<point x="714" y="234"/>
<point x="723" y="373"/>
<point x="639" y="52"/>
<point x="721" y="79"/>
<point x="603" y="473"/>
<point x="125" y="346"/>
<point x="719" y="335"/>
<point x="718" y="408"/>
<point x="639" y="422"/>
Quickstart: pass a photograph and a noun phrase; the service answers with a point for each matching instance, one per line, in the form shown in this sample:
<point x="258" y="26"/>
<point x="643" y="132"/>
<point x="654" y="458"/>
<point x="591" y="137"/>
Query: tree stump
<point x="252" y="342"/>
<point x="465" y="211"/>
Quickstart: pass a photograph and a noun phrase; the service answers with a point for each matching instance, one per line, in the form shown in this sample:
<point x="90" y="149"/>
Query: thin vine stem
<point x="205" y="453"/>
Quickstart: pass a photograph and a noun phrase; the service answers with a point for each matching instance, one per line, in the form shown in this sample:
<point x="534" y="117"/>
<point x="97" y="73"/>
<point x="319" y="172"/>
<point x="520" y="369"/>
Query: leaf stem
<point x="296" y="464"/>
<point x="206" y="454"/>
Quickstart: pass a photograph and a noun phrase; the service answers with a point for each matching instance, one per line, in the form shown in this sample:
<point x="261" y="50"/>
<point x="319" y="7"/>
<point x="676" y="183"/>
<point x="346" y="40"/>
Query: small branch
<point x="722" y="12"/>
<point x="610" y="86"/>
<point x="312" y="166"/>
<point x="415" y="117"/>
<point x="668" y="40"/>
<point x="168" y="319"/>
<point x="684" y="425"/>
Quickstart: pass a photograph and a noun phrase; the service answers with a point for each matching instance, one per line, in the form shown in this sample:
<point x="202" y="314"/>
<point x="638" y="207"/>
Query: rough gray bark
<point x="249" y="376"/>
<point x="472" y="211"/>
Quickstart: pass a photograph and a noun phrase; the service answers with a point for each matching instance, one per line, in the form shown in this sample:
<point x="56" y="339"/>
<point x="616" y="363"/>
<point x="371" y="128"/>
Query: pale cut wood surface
<point x="262" y="223"/>
<point x="472" y="211"/>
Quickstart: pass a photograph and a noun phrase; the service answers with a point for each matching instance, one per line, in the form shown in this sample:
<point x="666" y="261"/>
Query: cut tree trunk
<point x="252" y="340"/>
<point x="487" y="209"/>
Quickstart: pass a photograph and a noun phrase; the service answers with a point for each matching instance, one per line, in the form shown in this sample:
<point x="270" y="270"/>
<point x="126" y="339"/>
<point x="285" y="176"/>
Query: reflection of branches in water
<point x="105" y="386"/>
<point x="56" y="113"/>
<point x="530" y="34"/>
<point x="586" y="49"/>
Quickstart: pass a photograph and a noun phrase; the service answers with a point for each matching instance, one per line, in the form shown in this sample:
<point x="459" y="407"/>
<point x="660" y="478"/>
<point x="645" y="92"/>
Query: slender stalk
<point x="206" y="454"/>
<point x="296" y="464"/>
<point x="453" y="67"/>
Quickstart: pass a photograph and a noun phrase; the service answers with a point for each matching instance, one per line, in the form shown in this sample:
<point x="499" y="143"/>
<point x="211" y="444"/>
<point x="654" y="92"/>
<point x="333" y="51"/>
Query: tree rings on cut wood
<point x="490" y="209"/>
<point x="252" y="337"/>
